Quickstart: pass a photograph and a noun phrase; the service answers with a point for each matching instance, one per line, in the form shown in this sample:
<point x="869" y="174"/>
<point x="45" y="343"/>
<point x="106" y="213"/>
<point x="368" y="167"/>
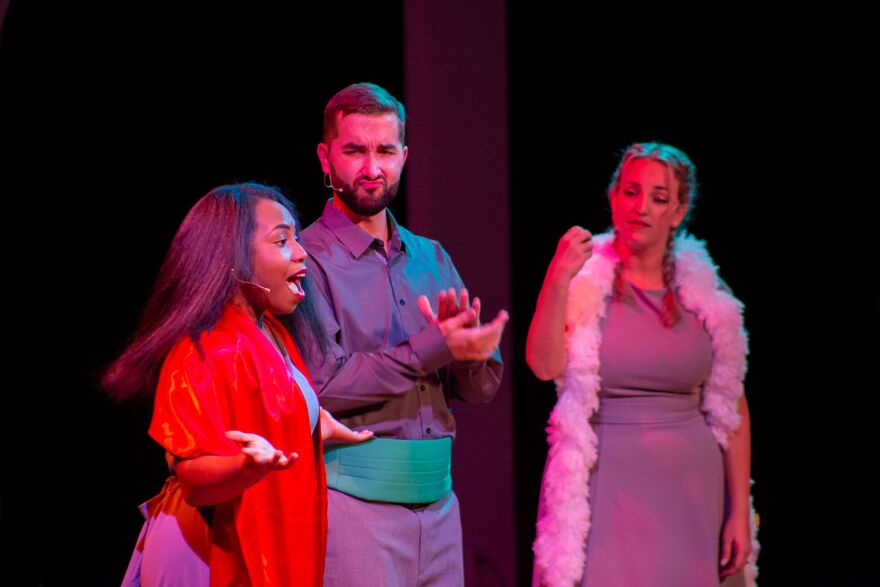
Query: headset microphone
<point x="262" y="287"/>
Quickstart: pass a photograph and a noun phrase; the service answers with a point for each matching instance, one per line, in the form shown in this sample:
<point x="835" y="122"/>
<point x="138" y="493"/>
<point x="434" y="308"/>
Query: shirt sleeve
<point x="187" y="416"/>
<point x="349" y="380"/>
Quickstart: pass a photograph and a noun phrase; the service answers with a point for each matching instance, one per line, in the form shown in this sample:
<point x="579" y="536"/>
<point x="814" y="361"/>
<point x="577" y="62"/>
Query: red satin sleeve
<point x="189" y="412"/>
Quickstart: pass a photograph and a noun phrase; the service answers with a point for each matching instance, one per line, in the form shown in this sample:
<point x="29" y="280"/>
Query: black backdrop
<point x="117" y="116"/>
<point x="122" y="115"/>
<point x="779" y="113"/>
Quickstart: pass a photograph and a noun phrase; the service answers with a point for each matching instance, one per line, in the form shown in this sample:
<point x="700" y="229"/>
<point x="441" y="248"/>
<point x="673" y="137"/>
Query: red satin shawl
<point x="274" y="533"/>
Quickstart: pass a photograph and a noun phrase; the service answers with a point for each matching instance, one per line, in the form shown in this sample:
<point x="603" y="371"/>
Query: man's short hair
<point x="363" y="98"/>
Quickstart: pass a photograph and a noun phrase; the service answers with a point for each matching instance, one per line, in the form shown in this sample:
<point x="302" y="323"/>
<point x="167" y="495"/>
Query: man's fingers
<point x="489" y="335"/>
<point x="425" y="308"/>
<point x="495" y="326"/>
<point x="476" y="306"/>
<point x="459" y="320"/>
<point x="498" y="323"/>
<point x="449" y="302"/>
<point x="441" y="305"/>
<point x="501" y="319"/>
<point x="473" y="343"/>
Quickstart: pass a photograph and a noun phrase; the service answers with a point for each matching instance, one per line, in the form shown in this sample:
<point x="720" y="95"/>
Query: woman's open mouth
<point x="295" y="283"/>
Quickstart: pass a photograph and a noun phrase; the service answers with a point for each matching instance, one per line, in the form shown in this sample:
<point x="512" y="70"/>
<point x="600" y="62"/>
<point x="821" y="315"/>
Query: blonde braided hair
<point x="686" y="174"/>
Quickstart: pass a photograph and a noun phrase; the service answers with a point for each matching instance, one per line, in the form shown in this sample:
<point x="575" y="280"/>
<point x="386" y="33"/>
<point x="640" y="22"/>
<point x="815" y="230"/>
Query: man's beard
<point x="366" y="205"/>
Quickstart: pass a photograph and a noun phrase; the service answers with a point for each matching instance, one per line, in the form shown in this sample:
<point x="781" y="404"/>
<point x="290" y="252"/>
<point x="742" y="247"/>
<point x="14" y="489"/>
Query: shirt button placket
<point x="423" y="401"/>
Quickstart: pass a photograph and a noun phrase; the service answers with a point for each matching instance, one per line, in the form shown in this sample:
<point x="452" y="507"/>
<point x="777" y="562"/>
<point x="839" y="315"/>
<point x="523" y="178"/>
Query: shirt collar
<point x="355" y="238"/>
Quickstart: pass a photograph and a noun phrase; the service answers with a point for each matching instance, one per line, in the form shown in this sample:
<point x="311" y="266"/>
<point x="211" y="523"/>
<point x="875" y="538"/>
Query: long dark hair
<point x="196" y="280"/>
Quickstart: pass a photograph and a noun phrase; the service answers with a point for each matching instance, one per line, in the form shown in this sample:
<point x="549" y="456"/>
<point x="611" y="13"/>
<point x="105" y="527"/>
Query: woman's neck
<point x="258" y="316"/>
<point x="240" y="301"/>
<point x="642" y="268"/>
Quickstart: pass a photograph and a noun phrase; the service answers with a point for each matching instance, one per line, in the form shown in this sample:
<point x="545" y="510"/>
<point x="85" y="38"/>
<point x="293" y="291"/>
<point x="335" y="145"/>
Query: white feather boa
<point x="564" y="521"/>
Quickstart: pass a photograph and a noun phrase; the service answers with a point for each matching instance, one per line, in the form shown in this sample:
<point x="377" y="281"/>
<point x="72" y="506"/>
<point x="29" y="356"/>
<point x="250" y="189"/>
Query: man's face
<point x="365" y="161"/>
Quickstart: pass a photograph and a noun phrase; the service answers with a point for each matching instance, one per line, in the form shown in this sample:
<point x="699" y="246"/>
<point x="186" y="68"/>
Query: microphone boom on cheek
<point x="262" y="287"/>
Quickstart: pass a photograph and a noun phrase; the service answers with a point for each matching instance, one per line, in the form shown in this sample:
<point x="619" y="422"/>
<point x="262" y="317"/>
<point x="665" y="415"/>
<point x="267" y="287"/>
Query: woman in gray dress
<point x="647" y="477"/>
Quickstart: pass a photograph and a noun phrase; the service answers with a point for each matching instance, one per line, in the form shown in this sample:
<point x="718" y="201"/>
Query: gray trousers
<point x="373" y="544"/>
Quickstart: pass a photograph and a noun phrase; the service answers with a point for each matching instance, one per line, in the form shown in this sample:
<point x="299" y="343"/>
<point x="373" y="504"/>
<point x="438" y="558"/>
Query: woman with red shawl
<point x="233" y="405"/>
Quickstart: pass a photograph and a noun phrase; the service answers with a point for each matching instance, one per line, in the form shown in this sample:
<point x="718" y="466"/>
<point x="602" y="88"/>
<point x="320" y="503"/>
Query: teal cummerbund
<point x="391" y="470"/>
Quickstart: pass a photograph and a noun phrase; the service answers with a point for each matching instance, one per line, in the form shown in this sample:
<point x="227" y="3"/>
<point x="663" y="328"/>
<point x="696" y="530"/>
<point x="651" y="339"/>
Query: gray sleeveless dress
<point x="657" y="489"/>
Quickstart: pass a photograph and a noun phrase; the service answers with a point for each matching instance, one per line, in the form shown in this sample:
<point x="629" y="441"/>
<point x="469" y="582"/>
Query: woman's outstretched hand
<point x="333" y="429"/>
<point x="261" y="451"/>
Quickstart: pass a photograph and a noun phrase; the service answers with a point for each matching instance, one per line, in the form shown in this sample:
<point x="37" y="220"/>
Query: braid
<point x="671" y="312"/>
<point x="621" y="292"/>
<point x="684" y="171"/>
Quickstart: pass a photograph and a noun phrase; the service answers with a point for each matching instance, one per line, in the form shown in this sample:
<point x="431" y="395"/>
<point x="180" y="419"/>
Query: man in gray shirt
<point x="393" y="364"/>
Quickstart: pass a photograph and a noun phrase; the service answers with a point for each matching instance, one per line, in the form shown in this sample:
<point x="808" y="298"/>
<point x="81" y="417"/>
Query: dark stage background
<point x="118" y="116"/>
